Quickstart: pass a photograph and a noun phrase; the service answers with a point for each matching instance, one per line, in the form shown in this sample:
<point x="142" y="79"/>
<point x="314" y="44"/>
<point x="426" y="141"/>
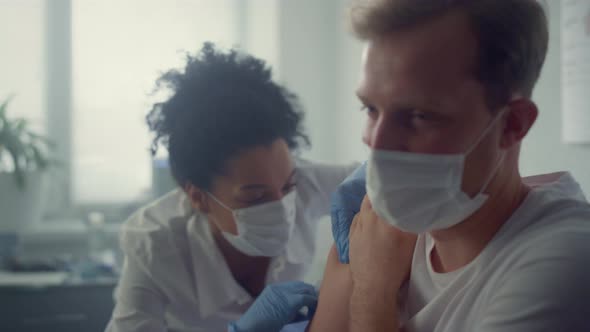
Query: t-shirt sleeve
<point x="547" y="290"/>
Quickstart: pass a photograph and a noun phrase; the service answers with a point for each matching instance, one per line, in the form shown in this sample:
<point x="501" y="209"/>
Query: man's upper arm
<point x="547" y="293"/>
<point x="332" y="313"/>
<point x="139" y="304"/>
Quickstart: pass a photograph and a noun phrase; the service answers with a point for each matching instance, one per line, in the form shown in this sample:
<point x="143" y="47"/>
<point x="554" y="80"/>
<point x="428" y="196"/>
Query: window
<point x="119" y="48"/>
<point x="83" y="72"/>
<point x="21" y="37"/>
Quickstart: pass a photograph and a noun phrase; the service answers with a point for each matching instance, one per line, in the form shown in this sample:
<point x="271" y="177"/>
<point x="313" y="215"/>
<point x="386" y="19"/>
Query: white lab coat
<point x="175" y="278"/>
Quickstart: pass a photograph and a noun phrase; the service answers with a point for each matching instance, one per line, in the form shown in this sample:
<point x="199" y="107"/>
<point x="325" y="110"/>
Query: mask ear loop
<point x="492" y="174"/>
<point x="219" y="202"/>
<point x="500" y="160"/>
<point x="227" y="208"/>
<point x="486" y="131"/>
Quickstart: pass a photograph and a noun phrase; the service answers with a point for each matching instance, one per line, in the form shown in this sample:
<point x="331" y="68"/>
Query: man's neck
<point x="457" y="246"/>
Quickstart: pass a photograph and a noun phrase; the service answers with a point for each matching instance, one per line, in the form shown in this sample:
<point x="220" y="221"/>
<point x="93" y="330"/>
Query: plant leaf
<point x="45" y="140"/>
<point x="40" y="159"/>
<point x="4" y="106"/>
<point x="27" y="149"/>
<point x="18" y="171"/>
<point x="20" y="125"/>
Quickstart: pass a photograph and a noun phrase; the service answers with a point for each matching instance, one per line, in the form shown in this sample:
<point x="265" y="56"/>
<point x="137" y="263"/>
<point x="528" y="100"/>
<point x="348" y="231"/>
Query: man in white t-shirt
<point x="450" y="237"/>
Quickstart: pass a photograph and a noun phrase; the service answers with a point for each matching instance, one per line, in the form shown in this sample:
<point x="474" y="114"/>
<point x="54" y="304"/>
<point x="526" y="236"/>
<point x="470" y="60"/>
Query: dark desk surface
<point x="78" y="306"/>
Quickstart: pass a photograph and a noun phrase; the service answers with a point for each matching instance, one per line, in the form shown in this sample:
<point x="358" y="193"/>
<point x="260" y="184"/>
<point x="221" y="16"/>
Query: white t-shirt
<point x="176" y="279"/>
<point x="533" y="276"/>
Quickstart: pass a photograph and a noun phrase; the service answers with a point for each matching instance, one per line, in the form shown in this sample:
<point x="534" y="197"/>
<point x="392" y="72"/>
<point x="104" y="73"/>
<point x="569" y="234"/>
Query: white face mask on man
<point x="419" y="193"/>
<point x="265" y="229"/>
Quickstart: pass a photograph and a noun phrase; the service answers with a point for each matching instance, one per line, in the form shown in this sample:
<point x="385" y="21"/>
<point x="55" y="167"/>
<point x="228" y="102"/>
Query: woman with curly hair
<point x="246" y="210"/>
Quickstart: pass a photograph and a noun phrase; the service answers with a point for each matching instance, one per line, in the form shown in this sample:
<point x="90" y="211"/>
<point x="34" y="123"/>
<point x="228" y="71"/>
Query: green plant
<point x="21" y="149"/>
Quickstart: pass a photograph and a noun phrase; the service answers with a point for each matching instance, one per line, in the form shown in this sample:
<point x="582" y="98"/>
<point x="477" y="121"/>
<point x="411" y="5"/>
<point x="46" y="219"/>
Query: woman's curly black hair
<point x="223" y="103"/>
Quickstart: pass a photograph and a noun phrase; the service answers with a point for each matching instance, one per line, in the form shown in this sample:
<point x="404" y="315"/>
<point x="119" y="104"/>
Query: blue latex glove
<point x="346" y="203"/>
<point x="277" y="306"/>
<point x="296" y="327"/>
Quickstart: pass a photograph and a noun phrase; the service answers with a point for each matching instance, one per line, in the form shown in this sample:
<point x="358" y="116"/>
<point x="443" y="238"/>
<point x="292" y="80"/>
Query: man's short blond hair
<point x="512" y="36"/>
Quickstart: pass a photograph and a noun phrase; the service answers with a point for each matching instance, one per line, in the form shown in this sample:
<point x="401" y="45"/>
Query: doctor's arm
<point x="139" y="304"/>
<point x="318" y="181"/>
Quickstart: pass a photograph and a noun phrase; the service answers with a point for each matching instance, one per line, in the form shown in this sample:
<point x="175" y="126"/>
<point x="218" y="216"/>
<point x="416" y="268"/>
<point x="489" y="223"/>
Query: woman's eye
<point x="369" y="110"/>
<point x="289" y="187"/>
<point x="252" y="199"/>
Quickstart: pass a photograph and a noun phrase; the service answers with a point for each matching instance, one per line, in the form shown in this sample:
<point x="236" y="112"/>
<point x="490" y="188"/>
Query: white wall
<point x="350" y="120"/>
<point x="320" y="62"/>
<point x="543" y="150"/>
<point x="308" y="47"/>
<point x="308" y="57"/>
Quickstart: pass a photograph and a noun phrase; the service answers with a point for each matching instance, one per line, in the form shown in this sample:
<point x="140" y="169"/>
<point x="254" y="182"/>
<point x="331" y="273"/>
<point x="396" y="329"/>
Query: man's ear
<point x="521" y="115"/>
<point x="197" y="197"/>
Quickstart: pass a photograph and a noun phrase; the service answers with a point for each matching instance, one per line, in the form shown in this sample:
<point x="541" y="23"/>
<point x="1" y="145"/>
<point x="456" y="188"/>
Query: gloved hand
<point x="277" y="306"/>
<point x="346" y="203"/>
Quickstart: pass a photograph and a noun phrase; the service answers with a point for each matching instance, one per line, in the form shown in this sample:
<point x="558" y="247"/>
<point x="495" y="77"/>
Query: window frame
<point x="59" y="110"/>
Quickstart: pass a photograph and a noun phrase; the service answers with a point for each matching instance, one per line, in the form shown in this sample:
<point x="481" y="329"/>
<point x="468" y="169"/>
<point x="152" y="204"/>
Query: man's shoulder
<point x="544" y="264"/>
<point x="556" y="204"/>
<point x="542" y="274"/>
<point x="557" y="236"/>
<point x="553" y="215"/>
<point x="551" y="225"/>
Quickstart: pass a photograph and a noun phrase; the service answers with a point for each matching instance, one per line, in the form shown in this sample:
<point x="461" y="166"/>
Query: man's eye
<point x="412" y="119"/>
<point x="420" y="116"/>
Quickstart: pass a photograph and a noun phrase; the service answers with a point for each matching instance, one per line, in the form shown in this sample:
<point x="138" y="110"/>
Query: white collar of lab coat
<point x="215" y="285"/>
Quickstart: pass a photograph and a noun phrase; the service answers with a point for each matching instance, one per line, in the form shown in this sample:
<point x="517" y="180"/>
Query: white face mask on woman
<point x="419" y="193"/>
<point x="265" y="229"/>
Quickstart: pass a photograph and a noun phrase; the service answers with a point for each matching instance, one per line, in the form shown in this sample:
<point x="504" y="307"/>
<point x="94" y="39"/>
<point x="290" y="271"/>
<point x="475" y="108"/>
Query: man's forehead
<point x="437" y="55"/>
<point x="392" y="70"/>
<point x="444" y="39"/>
